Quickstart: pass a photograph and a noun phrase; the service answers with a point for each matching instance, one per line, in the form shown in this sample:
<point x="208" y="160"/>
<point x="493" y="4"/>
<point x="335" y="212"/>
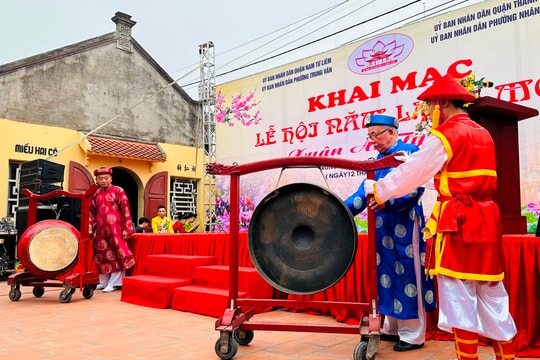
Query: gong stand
<point x="235" y="326"/>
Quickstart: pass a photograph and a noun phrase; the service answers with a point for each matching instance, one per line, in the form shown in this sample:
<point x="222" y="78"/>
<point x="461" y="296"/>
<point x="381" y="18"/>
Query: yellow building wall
<point x="23" y="142"/>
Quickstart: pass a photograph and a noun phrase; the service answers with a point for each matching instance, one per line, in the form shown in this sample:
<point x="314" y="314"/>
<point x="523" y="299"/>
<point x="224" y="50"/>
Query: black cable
<point x="317" y="29"/>
<point x="310" y="18"/>
<point x="320" y="39"/>
<point x="313" y="18"/>
<point x="408" y="18"/>
<point x="343" y="30"/>
<point x="308" y="43"/>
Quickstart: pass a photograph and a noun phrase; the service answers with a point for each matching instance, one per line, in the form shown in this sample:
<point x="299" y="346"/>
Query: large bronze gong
<point x="302" y="238"/>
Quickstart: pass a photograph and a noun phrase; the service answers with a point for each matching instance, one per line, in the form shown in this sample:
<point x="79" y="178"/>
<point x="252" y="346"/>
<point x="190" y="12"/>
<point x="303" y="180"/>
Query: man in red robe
<point x="466" y="250"/>
<point x="110" y="224"/>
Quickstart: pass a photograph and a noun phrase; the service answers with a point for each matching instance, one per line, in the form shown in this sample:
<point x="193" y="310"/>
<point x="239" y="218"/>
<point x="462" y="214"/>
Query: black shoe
<point x="386" y="337"/>
<point x="405" y="346"/>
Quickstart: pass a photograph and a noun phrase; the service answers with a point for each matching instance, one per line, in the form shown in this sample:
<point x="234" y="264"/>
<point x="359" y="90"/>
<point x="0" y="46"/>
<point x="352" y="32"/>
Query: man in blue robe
<point x="403" y="290"/>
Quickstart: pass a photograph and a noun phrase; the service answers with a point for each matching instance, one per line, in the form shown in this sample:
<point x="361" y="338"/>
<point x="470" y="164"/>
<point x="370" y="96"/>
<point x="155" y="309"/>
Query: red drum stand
<point x="49" y="249"/>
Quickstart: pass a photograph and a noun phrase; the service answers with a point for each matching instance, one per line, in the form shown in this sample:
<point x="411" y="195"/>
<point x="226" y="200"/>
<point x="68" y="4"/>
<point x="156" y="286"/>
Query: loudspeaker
<point x="41" y="171"/>
<point x="38" y="189"/>
<point x="40" y="177"/>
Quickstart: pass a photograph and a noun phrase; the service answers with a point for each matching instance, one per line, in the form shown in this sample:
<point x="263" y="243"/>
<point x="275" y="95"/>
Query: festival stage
<point x="522" y="278"/>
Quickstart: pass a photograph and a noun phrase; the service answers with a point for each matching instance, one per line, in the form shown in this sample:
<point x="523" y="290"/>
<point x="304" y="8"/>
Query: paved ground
<point x="103" y="327"/>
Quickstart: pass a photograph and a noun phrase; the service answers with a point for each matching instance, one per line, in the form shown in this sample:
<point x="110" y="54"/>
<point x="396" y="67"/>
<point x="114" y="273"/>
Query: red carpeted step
<point x="209" y="290"/>
<point x="202" y="300"/>
<point x="217" y="276"/>
<point x="162" y="274"/>
<point x="175" y="266"/>
<point x="150" y="290"/>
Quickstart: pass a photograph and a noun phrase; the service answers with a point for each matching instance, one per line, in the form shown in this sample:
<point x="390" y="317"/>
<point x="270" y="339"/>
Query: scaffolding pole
<point x="207" y="97"/>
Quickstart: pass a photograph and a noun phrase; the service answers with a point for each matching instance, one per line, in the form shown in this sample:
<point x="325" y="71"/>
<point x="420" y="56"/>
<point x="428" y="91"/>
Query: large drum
<point x="49" y="248"/>
<point x="302" y="238"/>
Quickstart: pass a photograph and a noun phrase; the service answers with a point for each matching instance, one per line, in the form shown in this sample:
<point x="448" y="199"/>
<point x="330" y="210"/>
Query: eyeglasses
<point x="374" y="136"/>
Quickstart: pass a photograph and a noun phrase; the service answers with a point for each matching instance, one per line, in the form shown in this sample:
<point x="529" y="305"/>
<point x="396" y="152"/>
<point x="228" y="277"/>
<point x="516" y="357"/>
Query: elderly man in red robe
<point x="110" y="224"/>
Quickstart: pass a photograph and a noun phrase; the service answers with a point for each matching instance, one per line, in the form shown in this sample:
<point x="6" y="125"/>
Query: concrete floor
<point x="103" y="327"/>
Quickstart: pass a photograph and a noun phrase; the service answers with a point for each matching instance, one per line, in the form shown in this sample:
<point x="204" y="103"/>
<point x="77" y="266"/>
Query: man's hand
<point x="368" y="186"/>
<point x="373" y="205"/>
<point x="401" y="156"/>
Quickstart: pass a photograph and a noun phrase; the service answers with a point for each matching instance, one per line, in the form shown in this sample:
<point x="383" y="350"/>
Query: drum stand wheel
<point x="38" y="291"/>
<point x="15" y="293"/>
<point x="66" y="294"/>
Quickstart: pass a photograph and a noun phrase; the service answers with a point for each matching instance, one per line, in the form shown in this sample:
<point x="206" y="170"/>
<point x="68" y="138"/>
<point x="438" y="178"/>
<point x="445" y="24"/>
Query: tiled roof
<point x="125" y="149"/>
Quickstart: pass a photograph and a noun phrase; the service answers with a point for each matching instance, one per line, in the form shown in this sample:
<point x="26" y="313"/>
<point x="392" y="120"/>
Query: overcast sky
<point x="242" y="31"/>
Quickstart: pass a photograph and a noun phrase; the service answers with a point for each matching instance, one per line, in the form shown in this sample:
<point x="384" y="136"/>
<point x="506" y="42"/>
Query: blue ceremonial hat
<point x="378" y="119"/>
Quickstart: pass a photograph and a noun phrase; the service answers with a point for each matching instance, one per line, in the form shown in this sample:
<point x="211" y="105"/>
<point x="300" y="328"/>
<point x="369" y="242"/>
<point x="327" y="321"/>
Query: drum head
<point x="49" y="248"/>
<point x="302" y="238"/>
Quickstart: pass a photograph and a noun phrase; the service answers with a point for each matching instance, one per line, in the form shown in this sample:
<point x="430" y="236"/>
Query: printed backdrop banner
<point x="317" y="106"/>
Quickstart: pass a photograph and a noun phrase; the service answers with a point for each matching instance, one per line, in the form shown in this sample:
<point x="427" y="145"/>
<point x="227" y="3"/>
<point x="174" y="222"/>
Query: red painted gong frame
<point x="235" y="318"/>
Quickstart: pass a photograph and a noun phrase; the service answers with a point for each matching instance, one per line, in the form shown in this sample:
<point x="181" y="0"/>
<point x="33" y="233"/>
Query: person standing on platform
<point x="144" y="225"/>
<point x="465" y="250"/>
<point x="110" y="225"/>
<point x="404" y="292"/>
<point x="162" y="224"/>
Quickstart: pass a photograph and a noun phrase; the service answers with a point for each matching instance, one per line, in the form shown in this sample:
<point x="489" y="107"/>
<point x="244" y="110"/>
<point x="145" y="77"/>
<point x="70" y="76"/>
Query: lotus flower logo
<point x="380" y="54"/>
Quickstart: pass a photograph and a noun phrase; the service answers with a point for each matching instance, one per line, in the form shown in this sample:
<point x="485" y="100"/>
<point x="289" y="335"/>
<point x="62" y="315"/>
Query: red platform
<point x="522" y="277"/>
